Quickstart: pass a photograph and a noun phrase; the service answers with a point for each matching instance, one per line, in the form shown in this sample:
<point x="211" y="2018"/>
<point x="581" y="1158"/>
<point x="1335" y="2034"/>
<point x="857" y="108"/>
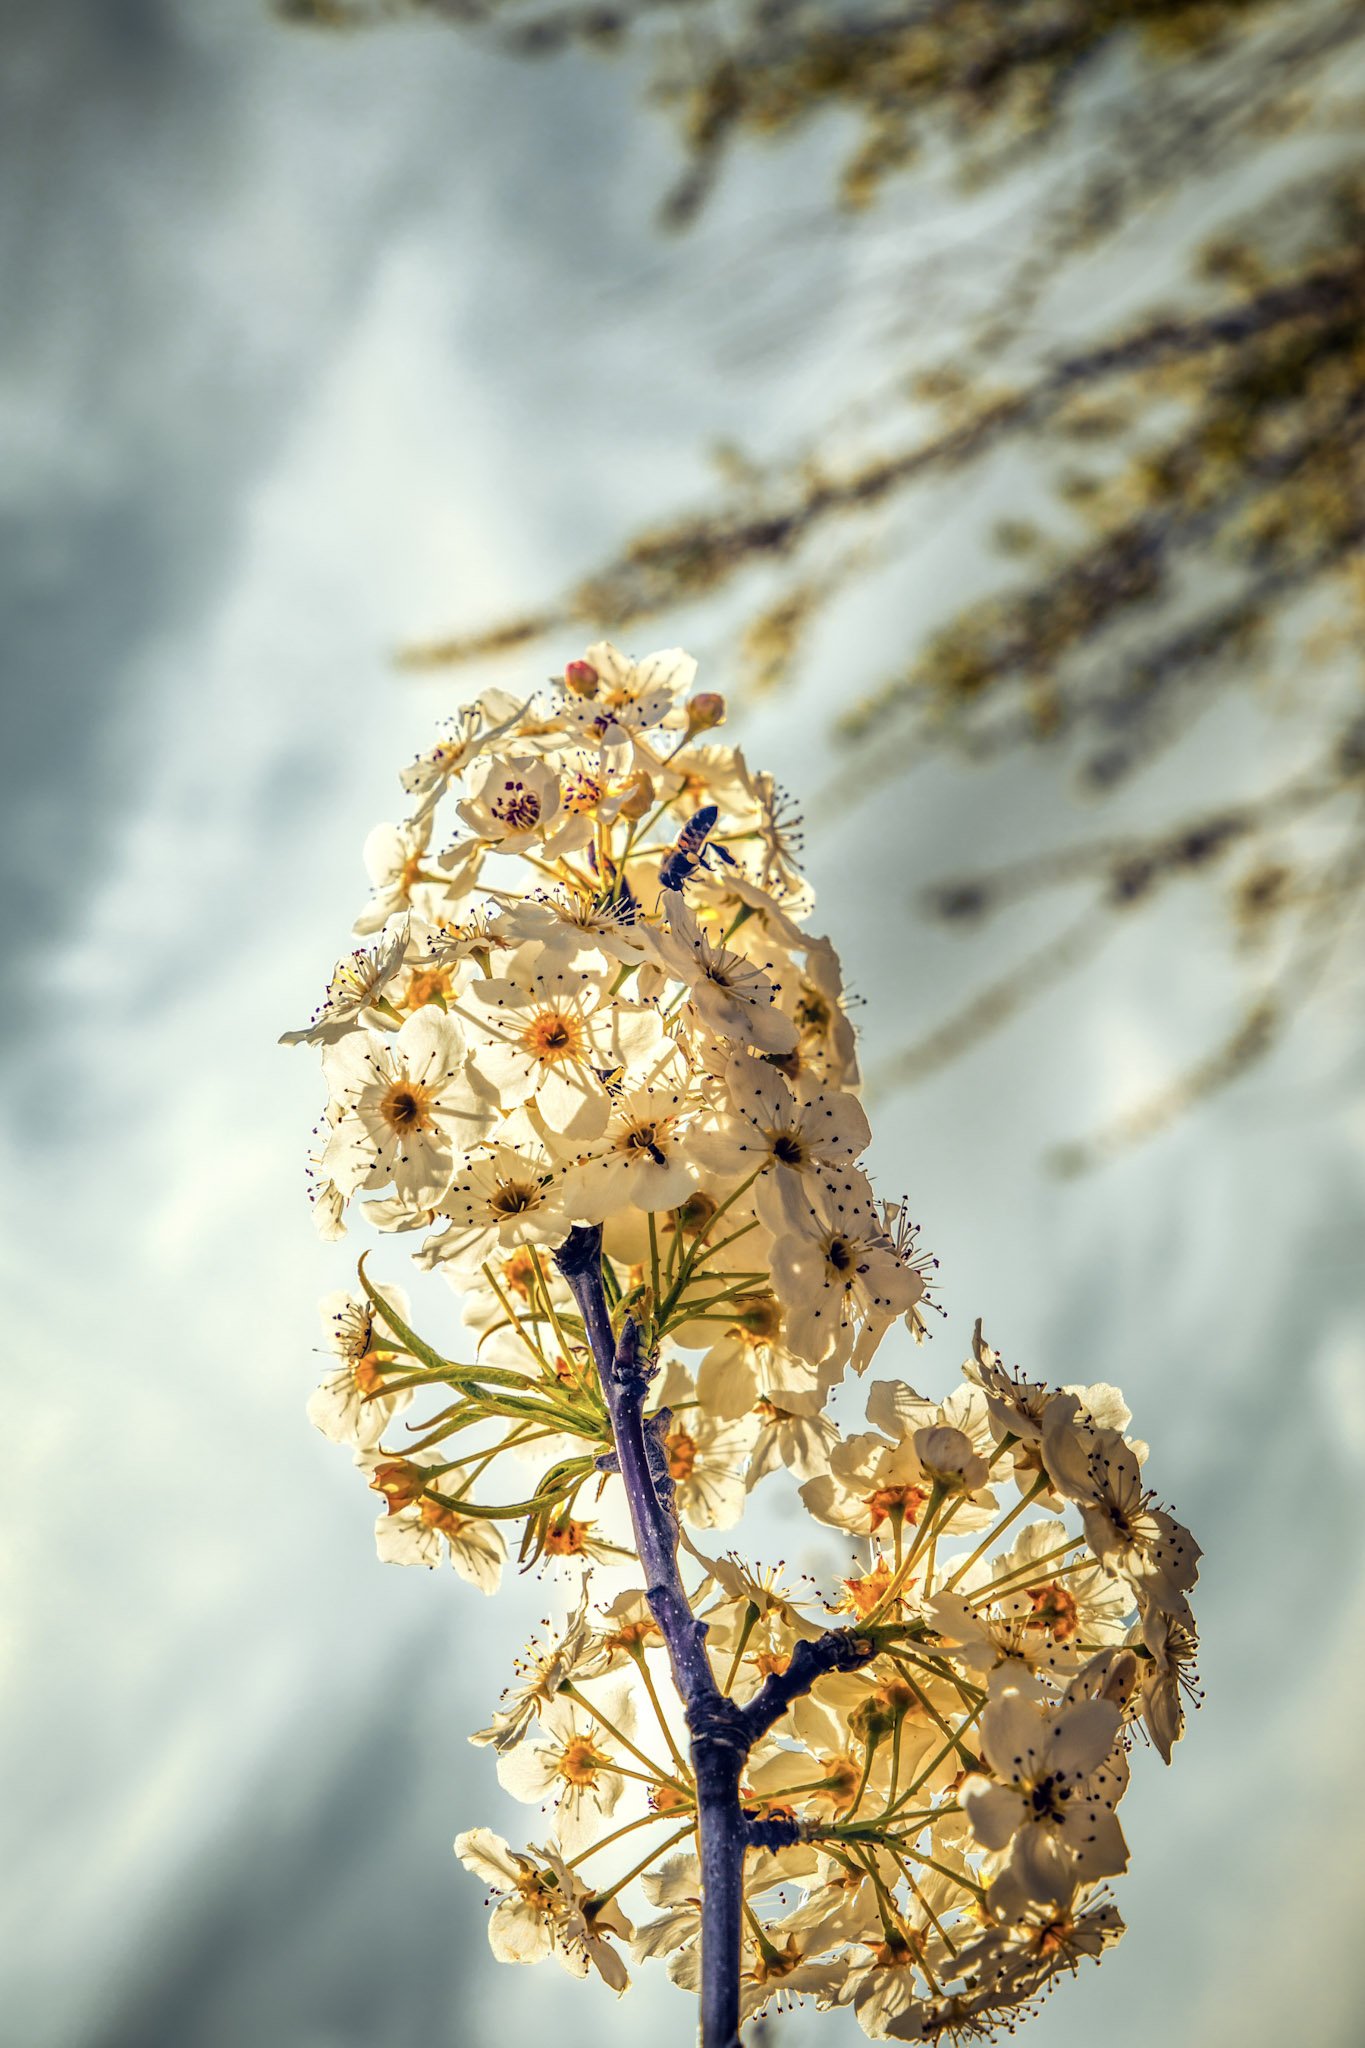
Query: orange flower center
<point x="399" y="1482"/>
<point x="567" y="1538"/>
<point x="682" y="1454"/>
<point x="632" y="1634"/>
<point x="888" y="1500"/>
<point x="1055" y="1610"/>
<point x="667" y="1798"/>
<point x="861" y="1595"/>
<point x="435" y="1516"/>
<point x="1051" y="1938"/>
<point x="579" y="1762"/>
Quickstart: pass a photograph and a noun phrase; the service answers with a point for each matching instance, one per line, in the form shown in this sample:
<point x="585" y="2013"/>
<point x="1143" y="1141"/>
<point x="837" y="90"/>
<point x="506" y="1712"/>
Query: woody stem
<point x="721" y="1731"/>
<point x="719" y="1739"/>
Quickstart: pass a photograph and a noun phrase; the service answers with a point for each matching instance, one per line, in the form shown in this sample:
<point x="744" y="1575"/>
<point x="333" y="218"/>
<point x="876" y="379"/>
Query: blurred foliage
<point x="1188" y="516"/>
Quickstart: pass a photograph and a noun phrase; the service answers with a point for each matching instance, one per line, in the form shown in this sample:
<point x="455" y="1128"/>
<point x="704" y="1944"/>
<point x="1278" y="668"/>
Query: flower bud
<point x="581" y="679"/>
<point x="947" y="1456"/>
<point x="695" y="1213"/>
<point x="705" y="710"/>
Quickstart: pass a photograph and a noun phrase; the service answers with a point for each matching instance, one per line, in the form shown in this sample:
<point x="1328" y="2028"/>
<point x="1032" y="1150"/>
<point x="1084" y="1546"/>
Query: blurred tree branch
<point x="1198" y="470"/>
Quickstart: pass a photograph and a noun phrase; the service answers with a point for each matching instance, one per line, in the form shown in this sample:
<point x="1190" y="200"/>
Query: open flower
<point x="406" y="876"/>
<point x="358" y="982"/>
<point x="1126" y="1529"/>
<point x="1046" y="1801"/>
<point x="729" y="994"/>
<point x="572" y="1763"/>
<point x="1049" y="1935"/>
<point x="1029" y="1610"/>
<point x="544" y="1910"/>
<point x="542" y="1672"/>
<point x="838" y="1277"/>
<point x="508" y="1195"/>
<point x="612" y="699"/>
<point x="350" y="1405"/>
<point x="642" y="1159"/>
<point x="421" y="1526"/>
<point x="548" y="1032"/>
<point x="795" y="1138"/>
<point x="401" y="1108"/>
<point x="459" y="741"/>
<point x="707" y="1454"/>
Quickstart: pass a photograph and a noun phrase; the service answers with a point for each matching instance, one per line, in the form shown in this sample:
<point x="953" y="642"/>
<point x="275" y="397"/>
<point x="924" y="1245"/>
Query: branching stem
<point x="721" y="1731"/>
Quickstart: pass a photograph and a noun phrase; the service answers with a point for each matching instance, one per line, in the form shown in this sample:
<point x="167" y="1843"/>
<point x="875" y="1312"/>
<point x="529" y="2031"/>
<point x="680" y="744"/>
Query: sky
<point x="312" y="346"/>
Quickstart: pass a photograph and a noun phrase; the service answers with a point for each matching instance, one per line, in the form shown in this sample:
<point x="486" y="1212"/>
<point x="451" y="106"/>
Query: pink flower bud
<point x="581" y="679"/>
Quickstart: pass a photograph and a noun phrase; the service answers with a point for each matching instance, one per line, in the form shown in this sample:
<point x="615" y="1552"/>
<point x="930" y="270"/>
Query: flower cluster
<point x="587" y="1005"/>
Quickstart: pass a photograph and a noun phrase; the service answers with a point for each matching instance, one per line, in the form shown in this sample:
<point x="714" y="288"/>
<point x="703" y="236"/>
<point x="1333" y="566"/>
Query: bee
<point x="691" y="849"/>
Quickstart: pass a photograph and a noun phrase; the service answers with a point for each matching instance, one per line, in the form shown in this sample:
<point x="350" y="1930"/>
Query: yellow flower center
<point x="778" y="1962"/>
<point x="552" y="1036"/>
<point x="368" y="1374"/>
<point x="424" y="985"/>
<point x="518" y="1273"/>
<point x="845" y="1776"/>
<point x="580" y="791"/>
<point x="759" y="1317"/>
<point x="644" y="1137"/>
<point x="812" y="1010"/>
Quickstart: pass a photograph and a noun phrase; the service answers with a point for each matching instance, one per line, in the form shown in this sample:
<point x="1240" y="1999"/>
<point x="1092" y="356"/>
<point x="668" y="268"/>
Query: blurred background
<point x="987" y="387"/>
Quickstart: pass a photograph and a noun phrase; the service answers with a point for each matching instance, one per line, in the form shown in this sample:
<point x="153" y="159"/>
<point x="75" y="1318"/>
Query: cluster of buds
<point x="589" y="1056"/>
